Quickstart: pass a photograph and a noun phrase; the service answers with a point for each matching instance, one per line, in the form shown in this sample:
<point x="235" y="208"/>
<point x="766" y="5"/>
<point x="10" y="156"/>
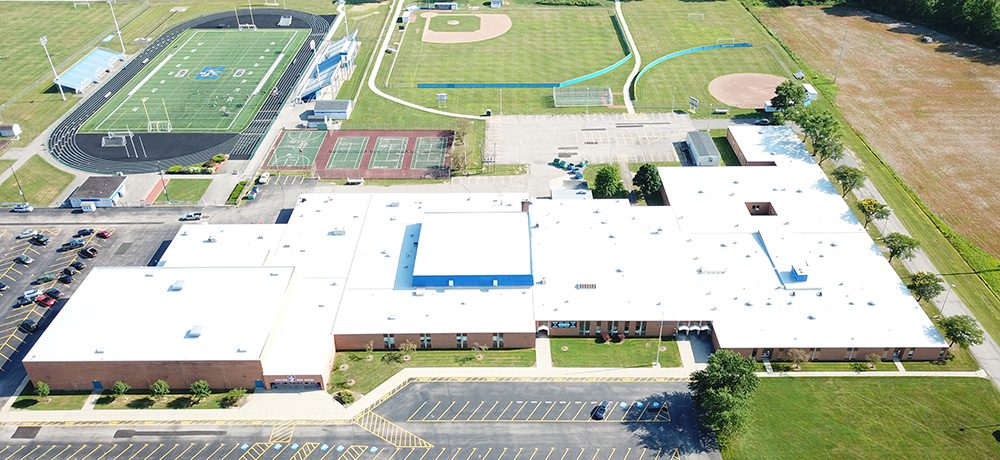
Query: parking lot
<point x="539" y="411"/>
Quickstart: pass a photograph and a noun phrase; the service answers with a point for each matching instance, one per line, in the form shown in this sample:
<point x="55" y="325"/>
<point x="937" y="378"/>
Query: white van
<point x="264" y="178"/>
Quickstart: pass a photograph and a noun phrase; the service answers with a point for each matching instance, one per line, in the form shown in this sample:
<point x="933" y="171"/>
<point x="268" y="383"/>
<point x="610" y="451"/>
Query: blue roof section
<point x="328" y="64"/>
<point x="86" y="70"/>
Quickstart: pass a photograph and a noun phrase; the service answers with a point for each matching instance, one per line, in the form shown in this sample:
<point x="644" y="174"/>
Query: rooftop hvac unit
<point x="194" y="332"/>
<point x="337" y="231"/>
<point x="177" y="286"/>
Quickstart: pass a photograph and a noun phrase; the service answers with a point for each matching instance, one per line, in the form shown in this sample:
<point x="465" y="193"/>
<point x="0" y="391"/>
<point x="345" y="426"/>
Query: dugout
<point x="102" y="191"/>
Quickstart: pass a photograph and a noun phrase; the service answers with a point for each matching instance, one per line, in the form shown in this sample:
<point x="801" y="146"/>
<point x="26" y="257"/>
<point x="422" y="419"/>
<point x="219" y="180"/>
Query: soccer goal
<point x="114" y="139"/>
<point x="159" y="127"/>
<point x="582" y="96"/>
<point x="79" y="3"/>
<point x="696" y="16"/>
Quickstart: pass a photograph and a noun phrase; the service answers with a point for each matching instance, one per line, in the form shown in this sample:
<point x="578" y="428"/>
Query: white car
<point x="23" y="208"/>
<point x="31" y="293"/>
<point x="264" y="178"/>
<point x="27" y="233"/>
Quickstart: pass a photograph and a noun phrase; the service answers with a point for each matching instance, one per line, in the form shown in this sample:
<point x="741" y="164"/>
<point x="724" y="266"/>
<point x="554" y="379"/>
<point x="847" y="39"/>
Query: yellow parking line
<point x="564" y="454"/>
<point x="456" y="453"/>
<point x="78" y="451"/>
<point x="595" y="454"/>
<point x="626" y="453"/>
<point x="519" y="409"/>
<point x="581" y="453"/>
<point x="627" y="411"/>
<point x="476" y="410"/>
<point x="217" y="449"/>
<point x="611" y="405"/>
<point x="14" y="453"/>
<point x="426" y="451"/>
<point x="113" y="446"/>
<point x="136" y="452"/>
<point x="414" y="414"/>
<point x="439" y="454"/>
<point x="658" y="451"/>
<point x="46" y="453"/>
<point x="196" y="453"/>
<point x="29" y="453"/>
<point x="643" y="454"/>
<point x="501" y="454"/>
<point x="487" y="454"/>
<point x="393" y="454"/>
<point x="519" y="449"/>
<point x="432" y="410"/>
<point x="533" y="454"/>
<point x="505" y="410"/>
<point x="408" y="454"/>
<point x="460" y="410"/>
<point x="612" y="453"/>
<point x="445" y="411"/>
<point x="546" y="414"/>
<point x="568" y="403"/>
<point x="551" y="449"/>
<point x="488" y="412"/>
<point x="577" y="414"/>
<point x="154" y="451"/>
<point x="471" y="453"/>
<point x="61" y="451"/>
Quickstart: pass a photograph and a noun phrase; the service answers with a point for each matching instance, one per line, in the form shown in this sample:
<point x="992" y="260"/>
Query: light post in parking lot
<point x="163" y="182"/>
<point x="659" y="340"/>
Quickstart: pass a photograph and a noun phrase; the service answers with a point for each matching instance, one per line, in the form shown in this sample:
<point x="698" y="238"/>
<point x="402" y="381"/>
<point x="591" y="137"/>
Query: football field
<point x="206" y="81"/>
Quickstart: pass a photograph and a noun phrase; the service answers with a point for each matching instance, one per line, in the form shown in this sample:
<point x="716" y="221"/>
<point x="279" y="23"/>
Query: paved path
<point x="635" y="52"/>
<point x="988" y="354"/>
<point x="543" y="353"/>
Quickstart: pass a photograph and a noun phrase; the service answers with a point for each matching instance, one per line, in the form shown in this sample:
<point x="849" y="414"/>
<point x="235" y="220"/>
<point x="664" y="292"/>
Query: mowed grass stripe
<point x="41" y="182"/>
<point x="196" y="105"/>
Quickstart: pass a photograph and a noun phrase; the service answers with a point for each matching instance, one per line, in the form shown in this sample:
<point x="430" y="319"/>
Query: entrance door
<point x="897" y="353"/>
<point x="753" y="354"/>
<point x="767" y="353"/>
<point x="98" y="386"/>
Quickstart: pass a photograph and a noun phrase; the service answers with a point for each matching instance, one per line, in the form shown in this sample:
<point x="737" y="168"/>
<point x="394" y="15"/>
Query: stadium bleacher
<point x="88" y="71"/>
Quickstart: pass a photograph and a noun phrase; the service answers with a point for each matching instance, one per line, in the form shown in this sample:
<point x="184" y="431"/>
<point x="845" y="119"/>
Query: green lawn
<point x="726" y="151"/>
<point x="190" y="190"/>
<point x="664" y="26"/>
<point x="179" y="400"/>
<point x="445" y="23"/>
<point x="5" y="164"/>
<point x="866" y="418"/>
<point x="633" y="352"/>
<point x="56" y="400"/>
<point x="590" y="172"/>
<point x="825" y="366"/>
<point x="369" y="374"/>
<point x="42" y="183"/>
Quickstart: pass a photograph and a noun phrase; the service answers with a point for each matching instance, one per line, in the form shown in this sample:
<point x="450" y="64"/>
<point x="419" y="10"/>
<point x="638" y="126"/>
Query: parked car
<point x="24" y="259"/>
<point x="32" y="293"/>
<point x="22" y="301"/>
<point x="45" y="300"/>
<point x="89" y="252"/>
<point x="600" y="411"/>
<point x="264" y="178"/>
<point x="78" y="265"/>
<point x="23" y="208"/>
<point x="40" y="240"/>
<point x="74" y="243"/>
<point x="3" y="287"/>
<point x="762" y="122"/>
<point x="69" y="271"/>
<point x="45" y="278"/>
<point x="54" y="293"/>
<point x="85" y="232"/>
<point x="66" y="279"/>
<point x="29" y="326"/>
<point x="191" y="216"/>
<point x="27" y="233"/>
<point x="104" y="234"/>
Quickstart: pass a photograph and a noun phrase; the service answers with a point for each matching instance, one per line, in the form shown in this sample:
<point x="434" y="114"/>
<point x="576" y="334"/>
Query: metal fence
<point x="582" y="96"/>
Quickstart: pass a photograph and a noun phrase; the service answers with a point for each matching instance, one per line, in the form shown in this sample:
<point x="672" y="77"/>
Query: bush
<point x="232" y="397"/>
<point x="859" y="366"/>
<point x="200" y="389"/>
<point x="345" y="396"/>
<point x="237" y="191"/>
<point x="42" y="389"/>
<point x="120" y="388"/>
<point x="192" y="169"/>
<point x="220" y="158"/>
<point x="174" y="169"/>
<point x="159" y="388"/>
<point x="569" y="2"/>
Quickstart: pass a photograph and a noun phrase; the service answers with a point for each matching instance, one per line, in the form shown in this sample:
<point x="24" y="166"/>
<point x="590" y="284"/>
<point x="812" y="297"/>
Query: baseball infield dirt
<point x="745" y="90"/>
<point x="491" y="26"/>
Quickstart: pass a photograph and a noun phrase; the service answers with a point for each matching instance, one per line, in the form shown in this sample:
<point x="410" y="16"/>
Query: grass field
<point x="184" y="190"/>
<point x="633" y="352"/>
<point x="56" y="400"/>
<point x="868" y="418"/>
<point x="206" y="81"/>
<point x="369" y="374"/>
<point x="42" y="183"/>
<point x="664" y="26"/>
<point x="934" y="132"/>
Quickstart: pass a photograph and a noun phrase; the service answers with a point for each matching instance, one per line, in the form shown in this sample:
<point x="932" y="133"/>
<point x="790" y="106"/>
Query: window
<point x="461" y="341"/>
<point x="389" y="341"/>
<point x="597" y="329"/>
<point x="498" y="340"/>
<point x="584" y="328"/>
<point x="640" y="328"/>
<point x="626" y="327"/>
<point x="613" y="327"/>
<point x="425" y="340"/>
<point x="909" y="354"/>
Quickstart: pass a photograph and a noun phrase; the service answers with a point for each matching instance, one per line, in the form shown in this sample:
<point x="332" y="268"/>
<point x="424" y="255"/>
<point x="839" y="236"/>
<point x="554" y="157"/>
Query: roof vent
<point x="337" y="231"/>
<point x="241" y="350"/>
<point x="177" y="286"/>
<point x="194" y="332"/>
<point x="393" y="204"/>
<point x="211" y="239"/>
<point x="391" y="317"/>
<point x="149" y="275"/>
<point x="99" y="351"/>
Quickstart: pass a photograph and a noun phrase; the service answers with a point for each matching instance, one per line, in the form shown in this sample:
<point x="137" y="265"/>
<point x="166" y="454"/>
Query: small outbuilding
<point x="702" y="148"/>
<point x="446" y="6"/>
<point x="811" y="94"/>
<point x="327" y="111"/>
<point x="496" y="3"/>
<point x="10" y="130"/>
<point x="100" y="191"/>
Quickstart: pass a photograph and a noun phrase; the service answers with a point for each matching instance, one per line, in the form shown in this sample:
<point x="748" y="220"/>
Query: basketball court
<point x="347" y="153"/>
<point x="297" y="149"/>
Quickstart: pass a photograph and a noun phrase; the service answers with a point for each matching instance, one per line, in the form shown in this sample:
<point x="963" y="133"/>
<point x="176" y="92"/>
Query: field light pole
<point x="45" y="42"/>
<point x="672" y="89"/>
<point x="163" y="183"/>
<point x="659" y="340"/>
<point x="347" y="30"/>
<point x="111" y="3"/>
<point x="946" y="295"/>
<point x="18" y="182"/>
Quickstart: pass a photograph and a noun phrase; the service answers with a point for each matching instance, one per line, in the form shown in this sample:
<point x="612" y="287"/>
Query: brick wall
<point x="439" y="341"/>
<point x="844" y="354"/>
<point x="140" y="374"/>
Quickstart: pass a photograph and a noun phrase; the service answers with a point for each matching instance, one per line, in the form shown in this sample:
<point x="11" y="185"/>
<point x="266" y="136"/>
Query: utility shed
<point x="103" y="191"/>
<point x="702" y="148"/>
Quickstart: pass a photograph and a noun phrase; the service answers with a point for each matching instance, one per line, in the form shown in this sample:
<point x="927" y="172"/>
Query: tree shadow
<point x="104" y="400"/>
<point x="683" y="431"/>
<point x="25" y="403"/>
<point x="182" y="402"/>
<point x="141" y="403"/>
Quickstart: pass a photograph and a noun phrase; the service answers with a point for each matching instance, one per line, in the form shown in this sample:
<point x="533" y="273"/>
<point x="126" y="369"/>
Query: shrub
<point x="42" y="389"/>
<point x="159" y="388"/>
<point x="120" y="388"/>
<point x="859" y="366"/>
<point x="236" y="192"/>
<point x="232" y="397"/>
<point x="345" y="396"/>
<point x="200" y="389"/>
<point x="220" y="158"/>
<point x="174" y="169"/>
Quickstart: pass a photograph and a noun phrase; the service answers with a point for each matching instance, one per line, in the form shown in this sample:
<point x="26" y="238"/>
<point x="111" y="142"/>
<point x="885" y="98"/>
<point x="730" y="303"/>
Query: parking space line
<point x="68" y="446"/>
<point x="14" y="453"/>
<point x="627" y="411"/>
<point x="581" y="453"/>
<point x="471" y="453"/>
<point x="519" y="449"/>
<point x="476" y="410"/>
<point x="564" y="454"/>
<point x="629" y="451"/>
<point x="154" y="451"/>
<point x="456" y="454"/>
<point x="196" y="454"/>
<point x="432" y="410"/>
<point x="113" y="446"/>
<point x="440" y="453"/>
<point x="489" y="411"/>
<point x="533" y="454"/>
<point x="546" y="414"/>
<point x="582" y="405"/>
<point x="414" y="414"/>
<point x="502" y="454"/>
<point x="78" y="451"/>
<point x="568" y="403"/>
<point x="144" y="446"/>
<point x="505" y="410"/>
<point x="408" y="454"/>
<point x="612" y="454"/>
<point x="46" y="453"/>
<point x="445" y="411"/>
<point x="460" y="410"/>
<point x="595" y="454"/>
<point x="551" y="449"/>
<point x="519" y="409"/>
<point x="182" y="452"/>
<point x="487" y="454"/>
<point x="29" y="453"/>
<point x="658" y="452"/>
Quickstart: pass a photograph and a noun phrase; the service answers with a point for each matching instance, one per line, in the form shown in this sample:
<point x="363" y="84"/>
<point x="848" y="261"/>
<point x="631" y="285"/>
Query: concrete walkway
<point x="543" y="353"/>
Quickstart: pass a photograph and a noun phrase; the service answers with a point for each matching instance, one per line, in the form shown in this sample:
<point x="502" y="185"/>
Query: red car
<point x="104" y="234"/>
<point x="45" y="300"/>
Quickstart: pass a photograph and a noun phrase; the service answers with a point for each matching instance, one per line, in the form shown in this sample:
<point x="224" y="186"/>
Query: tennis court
<point x="429" y="152"/>
<point x="347" y="153"/>
<point x="388" y="153"/>
<point x="297" y="149"/>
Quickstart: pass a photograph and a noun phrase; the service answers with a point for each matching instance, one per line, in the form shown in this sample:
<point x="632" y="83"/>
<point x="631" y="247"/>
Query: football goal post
<point x="159" y="127"/>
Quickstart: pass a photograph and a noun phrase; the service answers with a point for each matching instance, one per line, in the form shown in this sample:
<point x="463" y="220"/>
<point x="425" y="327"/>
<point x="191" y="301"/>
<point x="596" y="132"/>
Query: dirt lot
<point x="930" y="110"/>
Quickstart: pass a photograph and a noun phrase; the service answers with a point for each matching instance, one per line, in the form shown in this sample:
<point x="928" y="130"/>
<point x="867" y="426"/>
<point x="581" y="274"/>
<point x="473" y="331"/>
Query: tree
<point x="873" y="209"/>
<point x="232" y="397"/>
<point x="200" y="389"/>
<point x="608" y="183"/>
<point x="159" y="388"/>
<point x="42" y="389"/>
<point x="647" y="180"/>
<point x="962" y="330"/>
<point x="369" y="346"/>
<point x="119" y="388"/>
<point x="900" y="246"/>
<point x="797" y="356"/>
<point x="849" y="178"/>
<point x="460" y="146"/>
<point x="873" y="360"/>
<point x="926" y="285"/>
<point x="828" y="148"/>
<point x="723" y="390"/>
<point x="816" y="124"/>
<point x="788" y="94"/>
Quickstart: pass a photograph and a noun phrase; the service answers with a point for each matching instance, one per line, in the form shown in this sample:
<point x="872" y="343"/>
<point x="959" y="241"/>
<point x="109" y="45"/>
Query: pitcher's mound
<point x="745" y="90"/>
